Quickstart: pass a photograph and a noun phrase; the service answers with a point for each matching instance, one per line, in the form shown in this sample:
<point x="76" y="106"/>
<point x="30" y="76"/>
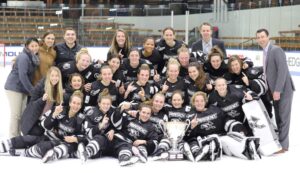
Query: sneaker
<point x="82" y="153"/>
<point x="202" y="153"/>
<point x="49" y="156"/>
<point x="187" y="152"/>
<point x="142" y="157"/>
<point x="126" y="160"/>
<point x="162" y="156"/>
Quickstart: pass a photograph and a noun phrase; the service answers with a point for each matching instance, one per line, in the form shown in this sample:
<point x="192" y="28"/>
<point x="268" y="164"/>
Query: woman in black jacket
<point x="48" y="92"/>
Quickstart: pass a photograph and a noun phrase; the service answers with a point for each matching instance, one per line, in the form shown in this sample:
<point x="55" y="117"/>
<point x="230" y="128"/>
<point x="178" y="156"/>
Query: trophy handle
<point x="162" y="127"/>
<point x="188" y="121"/>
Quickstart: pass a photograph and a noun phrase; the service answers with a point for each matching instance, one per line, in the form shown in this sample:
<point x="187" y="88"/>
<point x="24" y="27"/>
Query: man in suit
<point x="280" y="85"/>
<point x="206" y="42"/>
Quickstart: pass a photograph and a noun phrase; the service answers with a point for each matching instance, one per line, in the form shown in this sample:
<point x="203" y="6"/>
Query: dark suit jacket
<point x="198" y="45"/>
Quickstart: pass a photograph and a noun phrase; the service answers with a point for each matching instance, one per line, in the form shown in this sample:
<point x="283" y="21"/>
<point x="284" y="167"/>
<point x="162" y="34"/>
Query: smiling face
<point x="206" y="32"/>
<point x="76" y="82"/>
<point x="221" y="87"/>
<point x="199" y="103"/>
<point x="184" y="58"/>
<point x="114" y="63"/>
<point x="83" y="62"/>
<point x="49" y="40"/>
<point x="106" y="75"/>
<point x="143" y="77"/>
<point x="173" y="71"/>
<point x="33" y="47"/>
<point x="149" y="45"/>
<point x="193" y="72"/>
<point x="134" y="58"/>
<point x="70" y="36"/>
<point x="75" y="104"/>
<point x="177" y="100"/>
<point x="262" y="39"/>
<point x="158" y="103"/>
<point x="216" y="61"/>
<point x="104" y="104"/>
<point x="145" y="114"/>
<point x="169" y="37"/>
<point x="121" y="39"/>
<point x="235" y="67"/>
<point x="54" y="77"/>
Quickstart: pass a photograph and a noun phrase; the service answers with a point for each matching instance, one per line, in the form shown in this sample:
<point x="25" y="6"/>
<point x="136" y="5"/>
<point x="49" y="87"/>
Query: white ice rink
<point x="276" y="163"/>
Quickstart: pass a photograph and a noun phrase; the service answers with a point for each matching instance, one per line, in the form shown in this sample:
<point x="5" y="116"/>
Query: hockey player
<point x="250" y="78"/>
<point x="134" y="136"/>
<point x="104" y="82"/>
<point x="215" y="65"/>
<point x="230" y="100"/>
<point x="159" y="113"/>
<point x="120" y="44"/>
<point x="173" y="81"/>
<point x="211" y="131"/>
<point x="148" y="52"/>
<point x="114" y="63"/>
<point x="140" y="90"/>
<point x="177" y="112"/>
<point x="99" y="129"/>
<point x="81" y="65"/>
<point x="63" y="129"/>
<point x="197" y="80"/>
<point x="168" y="45"/>
<point x="76" y="83"/>
<point x="131" y="66"/>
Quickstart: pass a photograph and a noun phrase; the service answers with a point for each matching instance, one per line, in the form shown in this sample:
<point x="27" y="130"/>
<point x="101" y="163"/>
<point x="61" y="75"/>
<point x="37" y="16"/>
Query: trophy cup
<point x="174" y="131"/>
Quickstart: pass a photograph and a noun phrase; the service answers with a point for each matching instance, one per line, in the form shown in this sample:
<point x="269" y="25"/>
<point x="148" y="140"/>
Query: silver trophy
<point x="174" y="131"/>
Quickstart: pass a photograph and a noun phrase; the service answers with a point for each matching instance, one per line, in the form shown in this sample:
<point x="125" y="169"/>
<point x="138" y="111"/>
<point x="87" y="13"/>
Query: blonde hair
<point x="78" y="94"/>
<point x="55" y="93"/>
<point x="104" y="95"/>
<point x="81" y="52"/>
<point x="198" y="93"/>
<point x="173" y="61"/>
<point x="183" y="48"/>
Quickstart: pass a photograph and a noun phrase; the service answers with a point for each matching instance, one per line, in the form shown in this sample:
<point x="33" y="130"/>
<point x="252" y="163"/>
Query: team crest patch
<point x="66" y="66"/>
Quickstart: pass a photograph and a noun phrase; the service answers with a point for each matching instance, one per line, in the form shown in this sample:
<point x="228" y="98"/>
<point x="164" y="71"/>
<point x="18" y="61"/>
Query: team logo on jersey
<point x="66" y="66"/>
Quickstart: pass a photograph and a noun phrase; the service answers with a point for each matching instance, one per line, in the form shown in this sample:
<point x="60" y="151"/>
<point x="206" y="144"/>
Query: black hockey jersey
<point x="90" y="74"/>
<point x="63" y="125"/>
<point x="149" y="89"/>
<point x="96" y="88"/>
<point x="94" y="117"/>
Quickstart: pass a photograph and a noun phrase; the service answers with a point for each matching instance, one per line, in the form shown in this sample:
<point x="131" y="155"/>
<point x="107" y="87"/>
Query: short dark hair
<point x="31" y="39"/>
<point x="207" y="24"/>
<point x="263" y="30"/>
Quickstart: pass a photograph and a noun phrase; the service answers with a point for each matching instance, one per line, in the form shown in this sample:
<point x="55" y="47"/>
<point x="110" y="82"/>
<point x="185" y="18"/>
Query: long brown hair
<point x="201" y="79"/>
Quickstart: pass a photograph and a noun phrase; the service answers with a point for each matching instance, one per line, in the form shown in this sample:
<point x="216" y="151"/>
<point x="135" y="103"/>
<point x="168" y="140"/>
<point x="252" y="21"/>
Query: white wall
<point x="240" y="23"/>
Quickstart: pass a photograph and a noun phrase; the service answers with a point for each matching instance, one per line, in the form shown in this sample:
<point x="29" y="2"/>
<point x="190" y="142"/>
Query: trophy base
<point x="175" y="156"/>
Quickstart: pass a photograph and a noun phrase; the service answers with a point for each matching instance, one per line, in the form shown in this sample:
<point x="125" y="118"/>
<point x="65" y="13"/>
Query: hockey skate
<point x="202" y="153"/>
<point x="162" y="156"/>
<point x="142" y="157"/>
<point x="82" y="153"/>
<point x="125" y="160"/>
<point x="187" y="152"/>
<point x="251" y="147"/>
<point x="49" y="156"/>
